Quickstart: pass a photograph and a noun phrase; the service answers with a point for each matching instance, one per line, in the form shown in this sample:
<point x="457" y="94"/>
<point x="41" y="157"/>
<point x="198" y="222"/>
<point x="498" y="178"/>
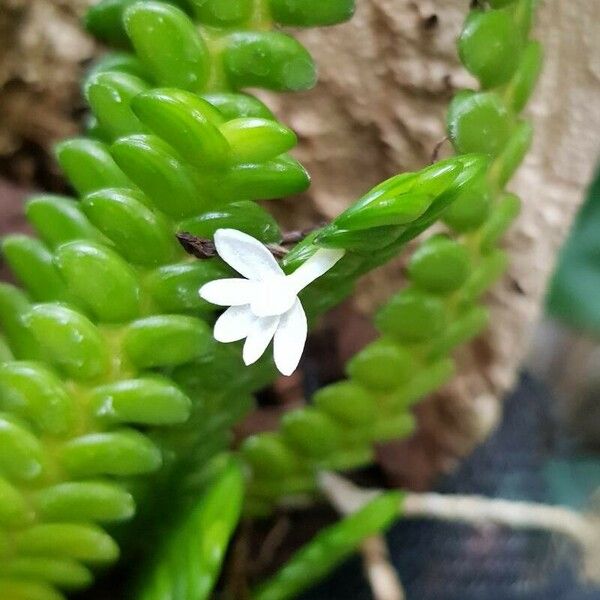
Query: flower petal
<point x="234" y="324"/>
<point x="246" y="255"/>
<point x="228" y="292"/>
<point x="290" y="339"/>
<point x="259" y="337"/>
<point x="273" y="298"/>
<point x="320" y="262"/>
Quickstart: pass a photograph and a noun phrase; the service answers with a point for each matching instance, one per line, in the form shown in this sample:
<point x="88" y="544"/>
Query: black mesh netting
<point x="455" y="562"/>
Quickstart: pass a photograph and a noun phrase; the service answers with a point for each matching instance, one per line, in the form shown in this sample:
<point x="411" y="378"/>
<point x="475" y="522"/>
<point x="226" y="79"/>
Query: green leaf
<point x="222" y="14"/>
<point x="145" y="401"/>
<point x="245" y="216"/>
<point x="190" y="564"/>
<point x="235" y="106"/>
<point x="101" y="280"/>
<point x="122" y="452"/>
<point x="89" y="165"/>
<point x="69" y="340"/>
<point x="168" y="43"/>
<point x="489" y="48"/>
<point x="188" y="123"/>
<point x="33" y="264"/>
<point x="160" y="174"/>
<point x="329" y="548"/>
<point x="58" y="219"/>
<point x="84" y="501"/>
<point x="472" y="113"/>
<point x="142" y="236"/>
<point x="165" y="340"/>
<point x="110" y="95"/>
<point x="310" y="13"/>
<point x="254" y="140"/>
<point x="270" y="59"/>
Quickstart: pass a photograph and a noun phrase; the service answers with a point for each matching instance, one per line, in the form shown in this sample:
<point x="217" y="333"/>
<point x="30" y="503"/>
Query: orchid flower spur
<point x="264" y="306"/>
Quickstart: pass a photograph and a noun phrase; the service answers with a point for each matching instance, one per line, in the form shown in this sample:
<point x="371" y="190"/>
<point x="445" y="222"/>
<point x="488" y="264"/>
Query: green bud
<point x="89" y="166"/>
<point x="144" y="401"/>
<point x="222" y="14"/>
<point x="311" y="432"/>
<point x="167" y="41"/>
<point x="109" y="95"/>
<point x="84" y="501"/>
<point x="478" y="122"/>
<point x="393" y="202"/>
<point x="508" y="161"/>
<point x="28" y="590"/>
<point x="174" y="288"/>
<point x="520" y="87"/>
<point x="276" y="178"/>
<point x="412" y="316"/>
<point x="20" y="451"/>
<point x="58" y="219"/>
<point x="502" y="216"/>
<point x="154" y="167"/>
<point x="121" y="453"/>
<point x="440" y="265"/>
<point x="141" y="235"/>
<point x="474" y="167"/>
<point x="348" y="403"/>
<point x="69" y="340"/>
<point x="245" y="216"/>
<point x="165" y="340"/>
<point x="411" y="201"/>
<point x="268" y="456"/>
<point x="101" y="279"/>
<point x="382" y="365"/>
<point x="235" y="106"/>
<point x="311" y="13"/>
<point x="188" y="123"/>
<point x="34" y="392"/>
<point x="460" y="330"/>
<point x="270" y="60"/>
<point x="488" y="46"/>
<point x="60" y="572"/>
<point x="83" y="542"/>
<point x="255" y="140"/>
<point x="14" y="510"/>
<point x="13" y="306"/>
<point x="32" y="263"/>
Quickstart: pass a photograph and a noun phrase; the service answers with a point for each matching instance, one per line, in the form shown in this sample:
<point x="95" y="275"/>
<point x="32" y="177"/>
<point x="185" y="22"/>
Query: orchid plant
<point x="117" y="404"/>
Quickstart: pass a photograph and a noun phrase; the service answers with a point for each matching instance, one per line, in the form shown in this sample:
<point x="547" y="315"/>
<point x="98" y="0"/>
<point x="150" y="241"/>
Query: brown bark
<point x="43" y="50"/>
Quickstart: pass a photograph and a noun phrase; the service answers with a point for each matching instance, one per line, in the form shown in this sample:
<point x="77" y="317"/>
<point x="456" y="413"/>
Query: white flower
<point x="265" y="305"/>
